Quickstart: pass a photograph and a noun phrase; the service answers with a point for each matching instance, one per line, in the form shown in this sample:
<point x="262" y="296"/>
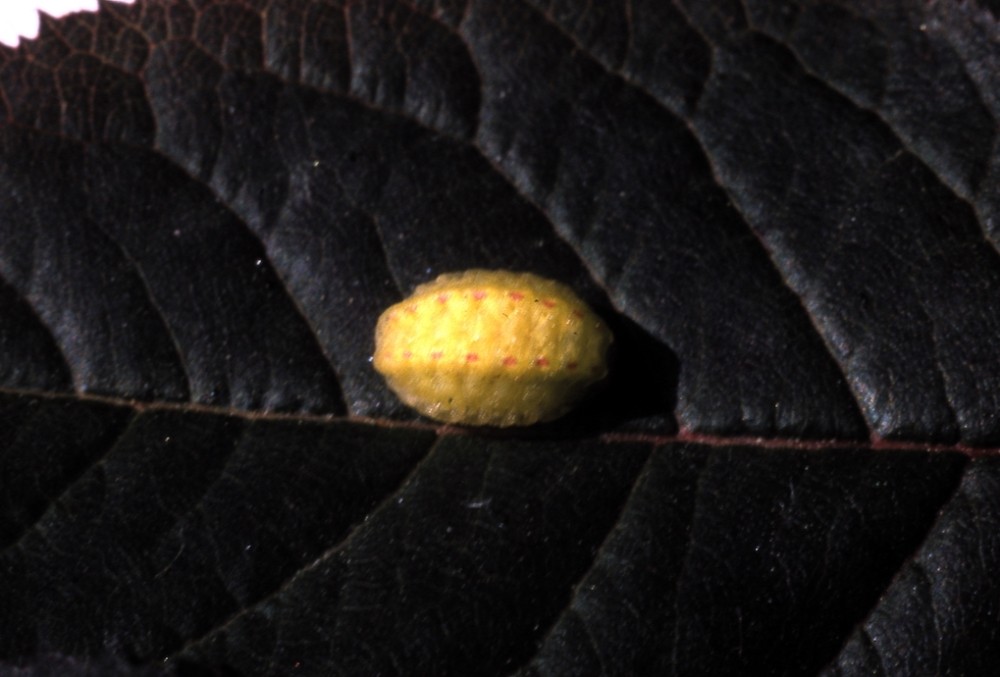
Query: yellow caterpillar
<point x="491" y="347"/>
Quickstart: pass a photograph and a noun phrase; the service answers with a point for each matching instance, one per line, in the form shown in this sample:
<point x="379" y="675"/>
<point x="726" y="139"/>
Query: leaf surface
<point x="787" y="211"/>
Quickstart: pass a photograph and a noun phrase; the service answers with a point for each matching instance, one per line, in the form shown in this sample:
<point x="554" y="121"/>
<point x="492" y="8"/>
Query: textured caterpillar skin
<point x="491" y="347"/>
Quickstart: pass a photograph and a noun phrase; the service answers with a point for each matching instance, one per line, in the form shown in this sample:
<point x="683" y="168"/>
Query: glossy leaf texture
<point x="788" y="212"/>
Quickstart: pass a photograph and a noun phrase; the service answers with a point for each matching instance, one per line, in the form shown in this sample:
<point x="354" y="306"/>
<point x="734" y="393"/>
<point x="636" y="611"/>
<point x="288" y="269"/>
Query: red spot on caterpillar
<point x="436" y="355"/>
<point x="479" y="295"/>
<point x="442" y="298"/>
<point x="471" y="357"/>
<point x="578" y="313"/>
<point x="571" y="365"/>
<point x="509" y="361"/>
<point x="412" y="310"/>
<point x="516" y="295"/>
<point x="541" y="362"/>
<point x="548" y="303"/>
<point x="407" y="354"/>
